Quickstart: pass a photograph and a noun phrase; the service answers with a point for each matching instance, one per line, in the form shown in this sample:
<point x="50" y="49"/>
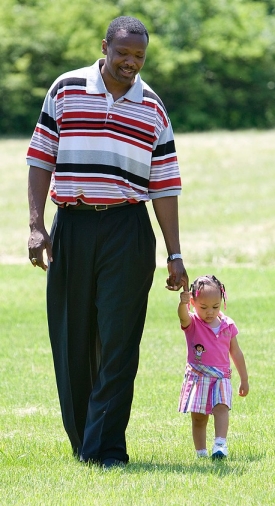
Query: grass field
<point x="227" y="213"/>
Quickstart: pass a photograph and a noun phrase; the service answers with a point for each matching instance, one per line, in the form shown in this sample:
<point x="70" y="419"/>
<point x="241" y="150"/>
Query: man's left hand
<point x="178" y="276"/>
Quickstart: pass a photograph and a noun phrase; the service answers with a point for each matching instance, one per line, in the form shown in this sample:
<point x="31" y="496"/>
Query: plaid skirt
<point x="203" y="388"/>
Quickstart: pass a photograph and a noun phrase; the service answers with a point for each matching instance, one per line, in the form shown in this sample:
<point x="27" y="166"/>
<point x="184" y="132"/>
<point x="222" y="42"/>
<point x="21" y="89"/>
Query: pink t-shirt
<point x="207" y="348"/>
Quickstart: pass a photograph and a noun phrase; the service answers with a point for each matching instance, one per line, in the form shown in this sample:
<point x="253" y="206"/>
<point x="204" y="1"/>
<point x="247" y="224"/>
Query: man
<point x="104" y="145"/>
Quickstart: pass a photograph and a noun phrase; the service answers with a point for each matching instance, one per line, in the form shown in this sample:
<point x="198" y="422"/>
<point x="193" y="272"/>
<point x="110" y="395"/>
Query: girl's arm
<point x="238" y="359"/>
<point x="183" y="313"/>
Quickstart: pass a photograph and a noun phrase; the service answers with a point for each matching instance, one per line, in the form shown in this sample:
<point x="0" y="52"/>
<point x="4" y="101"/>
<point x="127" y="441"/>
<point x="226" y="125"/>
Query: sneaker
<point x="219" y="451"/>
<point x="202" y="454"/>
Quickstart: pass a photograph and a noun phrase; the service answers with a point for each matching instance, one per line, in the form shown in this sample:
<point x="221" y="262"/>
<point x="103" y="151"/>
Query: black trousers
<point x="97" y="293"/>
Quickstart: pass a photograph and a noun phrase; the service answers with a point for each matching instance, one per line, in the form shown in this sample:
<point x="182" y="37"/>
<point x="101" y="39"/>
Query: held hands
<point x="178" y="276"/>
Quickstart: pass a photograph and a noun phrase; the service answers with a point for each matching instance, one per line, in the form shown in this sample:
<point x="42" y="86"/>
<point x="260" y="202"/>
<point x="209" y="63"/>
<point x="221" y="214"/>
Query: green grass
<point x="227" y="206"/>
<point x="36" y="466"/>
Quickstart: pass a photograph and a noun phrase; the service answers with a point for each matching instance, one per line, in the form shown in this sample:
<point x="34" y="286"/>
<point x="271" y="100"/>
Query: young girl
<point x="210" y="338"/>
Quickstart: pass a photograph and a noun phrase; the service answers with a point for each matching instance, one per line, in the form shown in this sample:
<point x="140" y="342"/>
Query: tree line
<point x="212" y="62"/>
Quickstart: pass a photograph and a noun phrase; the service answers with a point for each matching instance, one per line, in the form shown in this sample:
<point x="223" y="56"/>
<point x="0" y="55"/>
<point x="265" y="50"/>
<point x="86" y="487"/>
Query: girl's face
<point x="208" y="304"/>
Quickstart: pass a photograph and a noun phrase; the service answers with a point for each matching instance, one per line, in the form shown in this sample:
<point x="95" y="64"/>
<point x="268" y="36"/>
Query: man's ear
<point x="104" y="46"/>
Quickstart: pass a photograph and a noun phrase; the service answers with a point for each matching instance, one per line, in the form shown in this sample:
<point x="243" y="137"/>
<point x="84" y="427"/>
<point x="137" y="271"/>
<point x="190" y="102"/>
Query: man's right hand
<point x="39" y="241"/>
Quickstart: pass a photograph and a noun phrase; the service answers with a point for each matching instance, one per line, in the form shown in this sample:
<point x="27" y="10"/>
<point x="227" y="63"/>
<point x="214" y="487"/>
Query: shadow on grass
<point x="234" y="465"/>
<point x="239" y="465"/>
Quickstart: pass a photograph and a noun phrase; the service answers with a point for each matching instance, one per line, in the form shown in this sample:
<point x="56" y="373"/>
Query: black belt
<point x="97" y="207"/>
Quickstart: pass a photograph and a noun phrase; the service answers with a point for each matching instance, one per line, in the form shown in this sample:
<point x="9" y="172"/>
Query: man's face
<point x="125" y="57"/>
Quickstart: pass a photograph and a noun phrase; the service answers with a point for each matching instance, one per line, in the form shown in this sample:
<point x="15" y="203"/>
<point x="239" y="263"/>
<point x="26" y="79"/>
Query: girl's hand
<point x="185" y="297"/>
<point x="244" y="388"/>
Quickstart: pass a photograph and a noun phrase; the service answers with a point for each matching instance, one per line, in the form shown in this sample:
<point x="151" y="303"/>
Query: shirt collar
<point x="95" y="84"/>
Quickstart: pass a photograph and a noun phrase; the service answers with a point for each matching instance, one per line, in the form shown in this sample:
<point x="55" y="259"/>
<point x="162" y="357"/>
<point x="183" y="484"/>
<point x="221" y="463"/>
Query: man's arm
<point x="38" y="188"/>
<point x="166" y="210"/>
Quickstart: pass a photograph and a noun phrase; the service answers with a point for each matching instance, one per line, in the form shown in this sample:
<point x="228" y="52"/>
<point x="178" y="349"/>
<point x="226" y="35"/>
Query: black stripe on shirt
<point x="93" y="169"/>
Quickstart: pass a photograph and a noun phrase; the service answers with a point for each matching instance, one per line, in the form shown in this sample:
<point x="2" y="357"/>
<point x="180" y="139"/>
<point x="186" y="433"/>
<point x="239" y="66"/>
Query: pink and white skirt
<point x="203" y="388"/>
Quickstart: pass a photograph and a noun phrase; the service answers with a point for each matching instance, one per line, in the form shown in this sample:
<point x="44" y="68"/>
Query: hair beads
<point x="208" y="280"/>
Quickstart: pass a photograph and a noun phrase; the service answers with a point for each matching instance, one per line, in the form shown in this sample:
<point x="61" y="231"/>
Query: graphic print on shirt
<point x="198" y="351"/>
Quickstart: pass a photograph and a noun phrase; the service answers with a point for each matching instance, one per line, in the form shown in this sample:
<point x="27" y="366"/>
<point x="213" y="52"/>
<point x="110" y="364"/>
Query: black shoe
<point x="111" y="462"/>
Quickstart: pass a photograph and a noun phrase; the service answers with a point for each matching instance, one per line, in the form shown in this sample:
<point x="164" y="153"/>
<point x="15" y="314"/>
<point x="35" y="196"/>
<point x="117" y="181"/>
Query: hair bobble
<point x="200" y="282"/>
<point x="224" y="295"/>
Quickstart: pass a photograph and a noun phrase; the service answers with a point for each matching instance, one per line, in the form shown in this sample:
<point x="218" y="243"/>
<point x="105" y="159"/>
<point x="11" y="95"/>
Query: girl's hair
<point x="208" y="280"/>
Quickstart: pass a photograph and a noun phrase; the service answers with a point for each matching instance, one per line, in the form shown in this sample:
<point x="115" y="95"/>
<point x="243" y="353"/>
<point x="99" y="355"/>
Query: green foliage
<point x="211" y="62"/>
<point x="40" y="40"/>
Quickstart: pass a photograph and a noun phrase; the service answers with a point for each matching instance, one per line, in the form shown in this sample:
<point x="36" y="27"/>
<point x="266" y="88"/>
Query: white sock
<point x="220" y="440"/>
<point x="202" y="453"/>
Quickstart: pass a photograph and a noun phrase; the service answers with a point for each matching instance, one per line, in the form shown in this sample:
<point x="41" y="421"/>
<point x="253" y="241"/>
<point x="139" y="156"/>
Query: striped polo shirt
<point x="100" y="151"/>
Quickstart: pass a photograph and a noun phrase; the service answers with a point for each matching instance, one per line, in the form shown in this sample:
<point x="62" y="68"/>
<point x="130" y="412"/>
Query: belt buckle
<point x="100" y="207"/>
